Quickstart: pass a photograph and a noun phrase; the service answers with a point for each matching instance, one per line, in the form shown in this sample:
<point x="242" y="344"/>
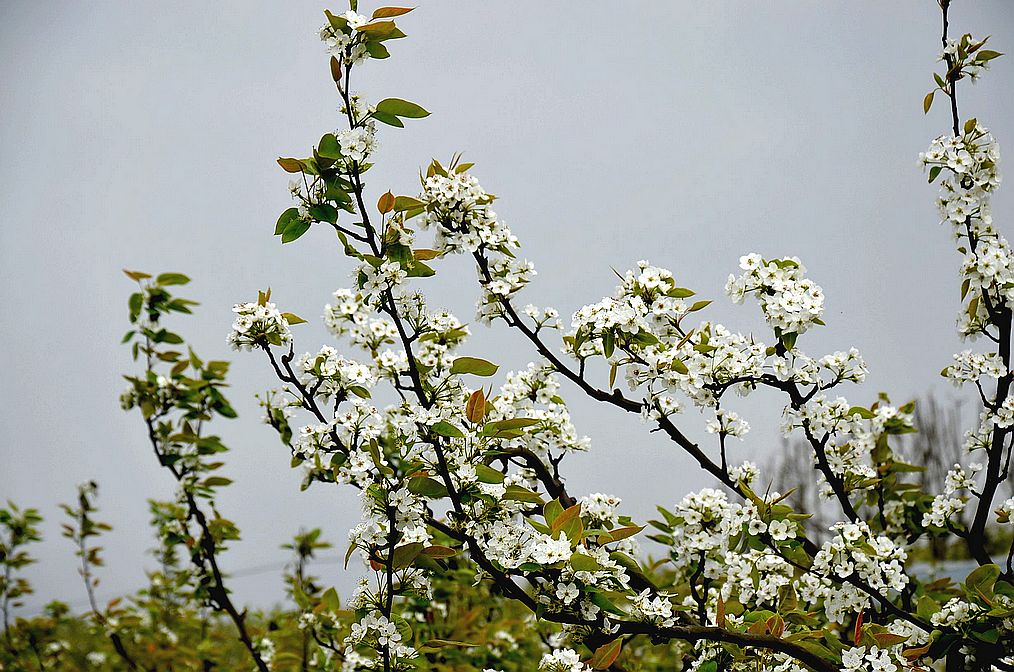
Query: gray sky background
<point x="143" y="135"/>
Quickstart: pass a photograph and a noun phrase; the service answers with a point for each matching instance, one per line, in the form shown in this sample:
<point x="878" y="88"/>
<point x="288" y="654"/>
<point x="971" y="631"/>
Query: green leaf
<point x="565" y="517"/>
<point x="294" y="230"/>
<point x="629" y="564"/>
<point x="418" y="269"/>
<point x="888" y="639"/>
<point x="645" y="338"/>
<point x="404" y="555"/>
<point x="444" y="428"/>
<point x="402" y="203"/>
<point x="401" y="108"/>
<point x="427" y="487"/>
<point x="328" y="147"/>
<point x="608" y="343"/>
<point x="434" y="645"/>
<point x="509" y="424"/>
<point x="293" y="319"/>
<point x="980" y="582"/>
<point x="285" y="219"/>
<point x="488" y="474"/>
<point x="324" y="212"/>
<point x="216" y="481"/>
<point x="166" y="279"/>
<point x="927" y="102"/>
<point x="338" y="22"/>
<point x="552" y="510"/>
<point x="605" y="604"/>
<point x="991" y="635"/>
<point x="377" y="50"/>
<point x="520" y="494"/>
<point x="135" y="303"/>
<point x="473" y="365"/>
<point x="331" y="599"/>
<point x="389" y="119"/>
<point x="620" y="533"/>
<point x="360" y="392"/>
<point x="164" y="336"/>
<point x="926" y="606"/>
<point x="584" y="563"/>
<point x="381" y="30"/>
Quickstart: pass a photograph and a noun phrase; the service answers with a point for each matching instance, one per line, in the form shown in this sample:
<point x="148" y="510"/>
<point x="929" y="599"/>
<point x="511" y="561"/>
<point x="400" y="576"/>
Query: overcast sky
<point x="143" y="135"/>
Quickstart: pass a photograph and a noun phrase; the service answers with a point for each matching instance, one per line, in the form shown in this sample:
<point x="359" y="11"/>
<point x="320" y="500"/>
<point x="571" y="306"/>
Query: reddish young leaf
<point x="475" y="409"/>
<point x="606" y="655"/>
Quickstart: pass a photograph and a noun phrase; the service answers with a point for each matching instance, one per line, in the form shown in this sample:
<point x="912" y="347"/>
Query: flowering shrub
<point x="460" y="467"/>
<point x="452" y="468"/>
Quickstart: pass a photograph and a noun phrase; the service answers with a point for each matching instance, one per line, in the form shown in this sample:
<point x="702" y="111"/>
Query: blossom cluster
<point x="511" y="544"/>
<point x="600" y="509"/>
<point x="1005" y="510"/>
<point x="257" y="324"/>
<point x="562" y="660"/>
<point x="727" y="423"/>
<point x="647" y="305"/>
<point x="306" y="195"/>
<point x="971" y="614"/>
<point x="791" y="303"/>
<point x="352" y="315"/>
<point x="359" y="143"/>
<point x="331" y="375"/>
<point x="159" y="390"/>
<point x="532" y="393"/>
<point x="342" y="39"/>
<point x="947" y="507"/>
<point x="990" y="421"/>
<point x="854" y="551"/>
<point x="507" y="276"/>
<point x="870" y="659"/>
<point x="459" y="210"/>
<point x="964" y="55"/>
<point x="969" y="163"/>
<point x="377" y="630"/>
<point x="640" y="328"/>
<point x="707" y="539"/>
<point x="656" y="610"/>
<point x="376" y="278"/>
<point x="970" y="367"/>
<point x="849" y="436"/>
<point x="825" y="372"/>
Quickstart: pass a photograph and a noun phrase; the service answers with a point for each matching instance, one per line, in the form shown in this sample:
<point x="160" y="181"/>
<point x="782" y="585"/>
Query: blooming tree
<point x="458" y="466"/>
